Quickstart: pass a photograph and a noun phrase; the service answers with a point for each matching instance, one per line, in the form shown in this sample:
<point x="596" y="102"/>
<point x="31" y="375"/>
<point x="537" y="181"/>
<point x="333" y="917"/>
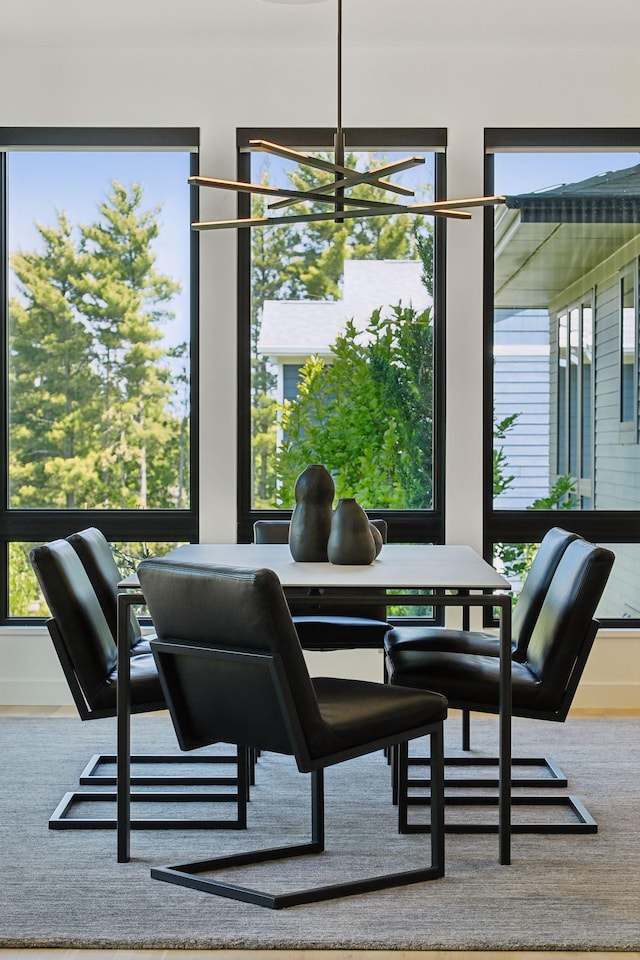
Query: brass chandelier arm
<point x="287" y="153"/>
<point x="388" y="211"/>
<point x="371" y="177"/>
<point x="333" y="193"/>
<point x="468" y="202"/>
<point x="241" y="186"/>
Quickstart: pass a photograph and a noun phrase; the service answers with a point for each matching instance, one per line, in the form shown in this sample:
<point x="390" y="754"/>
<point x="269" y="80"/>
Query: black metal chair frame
<point x="553" y="776"/>
<point x="190" y="874"/>
<point x="582" y="822"/>
<point x="62" y="818"/>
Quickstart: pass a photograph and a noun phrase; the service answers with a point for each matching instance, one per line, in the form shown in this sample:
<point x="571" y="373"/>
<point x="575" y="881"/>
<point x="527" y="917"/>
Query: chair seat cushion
<point x="441" y="638"/>
<point x="145" y="685"/>
<point x="356" y="712"/>
<point x="465" y="678"/>
<point x="143" y="645"/>
<point x="340" y="633"/>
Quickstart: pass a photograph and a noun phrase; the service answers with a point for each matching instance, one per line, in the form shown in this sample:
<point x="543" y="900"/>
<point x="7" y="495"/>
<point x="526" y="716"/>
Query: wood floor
<point x="303" y="955"/>
<point x="10" y="954"/>
<point x="69" y="711"/>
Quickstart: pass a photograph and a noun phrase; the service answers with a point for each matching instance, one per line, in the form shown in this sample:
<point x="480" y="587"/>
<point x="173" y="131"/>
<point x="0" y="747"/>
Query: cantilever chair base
<point x="61" y="819"/>
<point x="582" y="824"/>
<point x="554" y="778"/>
<point x="91" y="777"/>
<point x="190" y="874"/>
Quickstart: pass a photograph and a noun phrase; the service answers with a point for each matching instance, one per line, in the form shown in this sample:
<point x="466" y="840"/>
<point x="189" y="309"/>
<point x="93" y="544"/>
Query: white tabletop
<point x="398" y="566"/>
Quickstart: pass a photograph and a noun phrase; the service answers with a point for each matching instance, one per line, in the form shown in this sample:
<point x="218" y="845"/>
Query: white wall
<point x="462" y="87"/>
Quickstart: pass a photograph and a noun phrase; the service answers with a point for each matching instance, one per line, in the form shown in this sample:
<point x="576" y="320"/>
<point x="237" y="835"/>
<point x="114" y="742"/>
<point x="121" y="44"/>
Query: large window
<point x="340" y="339"/>
<point x="562" y="331"/>
<point x="99" y="343"/>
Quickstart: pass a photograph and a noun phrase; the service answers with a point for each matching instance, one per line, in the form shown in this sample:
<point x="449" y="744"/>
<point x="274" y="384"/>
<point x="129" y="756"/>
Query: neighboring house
<point x="573" y="251"/>
<point x="521" y="385"/>
<point x="293" y="330"/>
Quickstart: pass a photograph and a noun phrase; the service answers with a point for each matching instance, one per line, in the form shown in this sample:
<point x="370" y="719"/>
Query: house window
<point x="574" y="434"/>
<point x="561" y="332"/>
<point x="628" y="347"/>
<point x="340" y="347"/>
<point x="99" y="343"/>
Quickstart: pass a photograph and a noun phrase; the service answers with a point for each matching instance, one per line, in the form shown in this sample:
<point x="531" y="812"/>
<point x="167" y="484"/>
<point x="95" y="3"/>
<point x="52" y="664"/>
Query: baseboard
<point x="621" y="696"/>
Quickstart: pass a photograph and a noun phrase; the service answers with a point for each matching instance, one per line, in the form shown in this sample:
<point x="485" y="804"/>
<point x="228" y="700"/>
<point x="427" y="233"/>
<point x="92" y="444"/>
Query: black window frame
<point x="529" y="526"/>
<point x="404" y="526"/>
<point x="41" y="525"/>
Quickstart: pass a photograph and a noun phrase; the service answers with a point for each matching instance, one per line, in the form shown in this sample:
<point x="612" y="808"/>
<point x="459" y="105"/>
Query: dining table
<point x="434" y="575"/>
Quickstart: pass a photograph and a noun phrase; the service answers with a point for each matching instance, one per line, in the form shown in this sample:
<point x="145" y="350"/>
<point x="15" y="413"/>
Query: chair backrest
<point x="229" y="657"/>
<point x="271" y="531"/>
<point x="535" y="586"/>
<point x="565" y="628"/>
<point x="97" y="559"/>
<point x="80" y="622"/>
<point x="277" y="531"/>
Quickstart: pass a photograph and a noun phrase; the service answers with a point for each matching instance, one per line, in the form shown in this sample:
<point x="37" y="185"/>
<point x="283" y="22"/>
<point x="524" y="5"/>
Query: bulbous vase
<point x="311" y="518"/>
<point x="379" y="531"/>
<point x="350" y="541"/>
<point x="377" y="538"/>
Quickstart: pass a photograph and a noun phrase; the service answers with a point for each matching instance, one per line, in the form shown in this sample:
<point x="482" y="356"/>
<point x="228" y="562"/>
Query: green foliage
<point x="25" y="598"/>
<point x="98" y="407"/>
<point x="562" y="496"/>
<point x="501" y="481"/>
<point x="367" y="414"/>
<point x="515" y="559"/>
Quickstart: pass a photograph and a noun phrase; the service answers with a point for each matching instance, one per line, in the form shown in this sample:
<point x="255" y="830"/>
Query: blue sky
<point x="76" y="182"/>
<point x="523" y="172"/>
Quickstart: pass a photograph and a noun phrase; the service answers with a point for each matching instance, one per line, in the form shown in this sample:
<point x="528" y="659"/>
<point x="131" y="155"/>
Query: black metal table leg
<point x="123" y="766"/>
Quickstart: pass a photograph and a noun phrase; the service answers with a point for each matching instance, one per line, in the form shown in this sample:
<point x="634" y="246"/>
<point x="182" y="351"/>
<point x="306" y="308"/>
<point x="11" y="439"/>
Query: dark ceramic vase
<point x="377" y="537"/>
<point x="312" y="513"/>
<point x="351" y="541"/>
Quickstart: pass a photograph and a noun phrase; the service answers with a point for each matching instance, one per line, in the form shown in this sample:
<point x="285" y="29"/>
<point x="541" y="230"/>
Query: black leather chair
<point x="544" y="684"/>
<point x="98" y="561"/>
<point x="232" y="669"/>
<point x="322" y="626"/>
<point x="525" y="614"/>
<point x="87" y="652"/>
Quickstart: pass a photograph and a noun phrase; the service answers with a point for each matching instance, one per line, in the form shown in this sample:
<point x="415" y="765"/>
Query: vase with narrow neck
<point x="350" y="541"/>
<point x="312" y="513"/>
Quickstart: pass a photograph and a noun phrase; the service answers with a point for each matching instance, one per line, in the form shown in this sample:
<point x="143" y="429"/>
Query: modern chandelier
<point x="341" y="204"/>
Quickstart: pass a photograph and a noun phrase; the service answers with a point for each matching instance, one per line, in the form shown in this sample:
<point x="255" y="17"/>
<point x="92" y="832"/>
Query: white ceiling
<point x="378" y="23"/>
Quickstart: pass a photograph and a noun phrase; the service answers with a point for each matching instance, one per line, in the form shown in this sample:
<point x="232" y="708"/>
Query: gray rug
<point x="65" y="889"/>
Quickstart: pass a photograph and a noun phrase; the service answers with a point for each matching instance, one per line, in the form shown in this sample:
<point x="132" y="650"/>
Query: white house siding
<point x="616" y="482"/>
<point x="617" y="452"/>
<point x="521" y="385"/>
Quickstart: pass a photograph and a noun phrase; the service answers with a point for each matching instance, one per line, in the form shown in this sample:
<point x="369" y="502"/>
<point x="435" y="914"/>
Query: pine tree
<point x="54" y="389"/>
<point x="98" y="406"/>
<point x="123" y="298"/>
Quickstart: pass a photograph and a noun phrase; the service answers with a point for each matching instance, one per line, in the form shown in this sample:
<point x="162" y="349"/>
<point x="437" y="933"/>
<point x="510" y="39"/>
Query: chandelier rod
<point x="339" y="86"/>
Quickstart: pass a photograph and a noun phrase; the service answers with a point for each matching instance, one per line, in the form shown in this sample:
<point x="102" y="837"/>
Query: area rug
<point x="562" y="892"/>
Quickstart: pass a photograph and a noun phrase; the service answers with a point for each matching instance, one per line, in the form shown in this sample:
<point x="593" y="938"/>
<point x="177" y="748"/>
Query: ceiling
<point x="375" y="23"/>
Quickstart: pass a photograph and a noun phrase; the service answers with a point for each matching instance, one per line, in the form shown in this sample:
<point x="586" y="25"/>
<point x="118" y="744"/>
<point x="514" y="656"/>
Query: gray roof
<point x="612" y="197"/>
<point x="303" y="327"/>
